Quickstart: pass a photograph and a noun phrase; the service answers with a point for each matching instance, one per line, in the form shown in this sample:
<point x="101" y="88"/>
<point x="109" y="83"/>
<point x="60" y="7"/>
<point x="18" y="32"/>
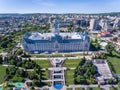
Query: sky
<point x="59" y="6"/>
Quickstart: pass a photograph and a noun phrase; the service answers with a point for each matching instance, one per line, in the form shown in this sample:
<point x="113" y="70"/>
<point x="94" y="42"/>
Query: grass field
<point x="1" y="50"/>
<point x="69" y="88"/>
<point x="43" y="63"/>
<point x="46" y="89"/>
<point x="71" y="63"/>
<point x="113" y="88"/>
<point x="2" y="73"/>
<point x="57" y="55"/>
<point x="78" y="89"/>
<point x="46" y="55"/>
<point x="69" y="77"/>
<point x="45" y="74"/>
<point x="96" y="88"/>
<point x="115" y="60"/>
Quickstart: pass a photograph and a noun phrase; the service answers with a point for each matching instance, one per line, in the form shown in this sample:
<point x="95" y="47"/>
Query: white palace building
<point x="56" y="42"/>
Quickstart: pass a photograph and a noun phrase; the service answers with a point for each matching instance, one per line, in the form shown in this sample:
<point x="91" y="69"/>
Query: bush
<point x="9" y="88"/>
<point x="110" y="81"/>
<point x="29" y="83"/>
<point x="32" y="88"/>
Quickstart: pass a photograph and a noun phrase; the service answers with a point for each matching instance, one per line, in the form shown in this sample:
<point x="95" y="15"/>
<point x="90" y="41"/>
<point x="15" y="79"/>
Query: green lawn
<point x="2" y="73"/>
<point x="69" y="88"/>
<point x="69" y="77"/>
<point x="115" y="60"/>
<point x="45" y="89"/>
<point x="71" y="63"/>
<point x="96" y="88"/>
<point x="45" y="74"/>
<point x="56" y="55"/>
<point x="113" y="88"/>
<point x="1" y="50"/>
<point x="74" y="55"/>
<point x="78" y="89"/>
<point x="46" y="55"/>
<point x="43" y="63"/>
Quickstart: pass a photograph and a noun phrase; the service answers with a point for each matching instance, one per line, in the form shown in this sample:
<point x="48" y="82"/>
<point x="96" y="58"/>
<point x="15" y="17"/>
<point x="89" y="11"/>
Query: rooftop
<point x="46" y="36"/>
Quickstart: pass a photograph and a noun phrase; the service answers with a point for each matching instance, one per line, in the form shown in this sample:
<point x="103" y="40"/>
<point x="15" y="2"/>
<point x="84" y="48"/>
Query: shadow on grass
<point x="115" y="56"/>
<point x="43" y="78"/>
<point x="43" y="84"/>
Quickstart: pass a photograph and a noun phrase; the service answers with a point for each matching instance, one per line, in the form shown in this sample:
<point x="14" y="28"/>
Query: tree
<point x="82" y="89"/>
<point x="80" y="80"/>
<point x="110" y="81"/>
<point x="115" y="80"/>
<point x="92" y="81"/>
<point x="12" y="62"/>
<point x="29" y="83"/>
<point x="82" y="61"/>
<point x="84" y="72"/>
<point x="32" y="75"/>
<point x="9" y="88"/>
<point x="1" y="59"/>
<point x="32" y="88"/>
<point x="95" y="45"/>
<point x="20" y="73"/>
<point x="119" y="85"/>
<point x="17" y="79"/>
<point x="5" y="85"/>
<point x="109" y="48"/>
<point x="103" y="56"/>
<point x="89" y="88"/>
<point x="11" y="70"/>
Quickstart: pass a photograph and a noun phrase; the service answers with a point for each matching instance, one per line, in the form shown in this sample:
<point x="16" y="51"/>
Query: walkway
<point x="57" y="72"/>
<point x="77" y="57"/>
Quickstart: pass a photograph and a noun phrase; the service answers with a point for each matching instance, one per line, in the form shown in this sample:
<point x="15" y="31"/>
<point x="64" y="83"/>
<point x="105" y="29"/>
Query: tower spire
<point x="56" y="26"/>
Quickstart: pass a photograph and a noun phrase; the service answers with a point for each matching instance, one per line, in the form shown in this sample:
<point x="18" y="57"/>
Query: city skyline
<point x="59" y="6"/>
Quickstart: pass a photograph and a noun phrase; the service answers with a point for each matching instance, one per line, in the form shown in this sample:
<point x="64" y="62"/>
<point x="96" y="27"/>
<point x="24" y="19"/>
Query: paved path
<point x="105" y="87"/>
<point x="77" y="57"/>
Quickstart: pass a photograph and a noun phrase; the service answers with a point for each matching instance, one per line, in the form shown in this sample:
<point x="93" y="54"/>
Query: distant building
<point x="56" y="42"/>
<point x="105" y="34"/>
<point x="103" y="23"/>
<point x="94" y="25"/>
<point x="103" y="45"/>
<point x="117" y="23"/>
<point x="82" y="23"/>
<point x="106" y="25"/>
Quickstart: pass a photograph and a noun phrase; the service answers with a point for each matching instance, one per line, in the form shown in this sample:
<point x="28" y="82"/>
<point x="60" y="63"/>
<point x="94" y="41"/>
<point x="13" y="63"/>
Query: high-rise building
<point x="94" y="25"/>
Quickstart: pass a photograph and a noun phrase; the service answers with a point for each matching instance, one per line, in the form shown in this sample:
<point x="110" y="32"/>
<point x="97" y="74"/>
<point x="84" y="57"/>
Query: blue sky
<point x="59" y="6"/>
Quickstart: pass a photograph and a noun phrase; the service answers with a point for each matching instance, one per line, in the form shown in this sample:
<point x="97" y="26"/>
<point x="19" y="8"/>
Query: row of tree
<point x="27" y="64"/>
<point x="17" y="74"/>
